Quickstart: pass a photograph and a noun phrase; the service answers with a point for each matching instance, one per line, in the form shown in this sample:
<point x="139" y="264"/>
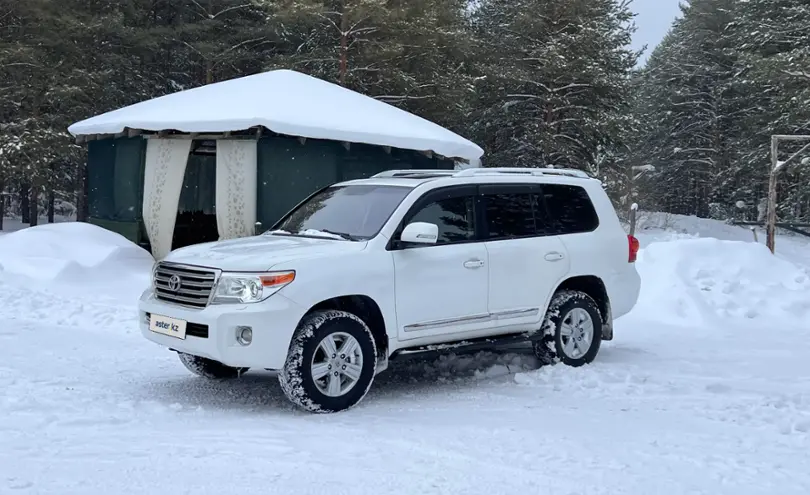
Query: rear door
<point x="573" y="219"/>
<point x="525" y="263"/>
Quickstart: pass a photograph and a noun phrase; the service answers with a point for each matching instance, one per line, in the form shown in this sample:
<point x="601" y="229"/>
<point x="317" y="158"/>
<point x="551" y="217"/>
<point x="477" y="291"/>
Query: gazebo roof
<point x="286" y="102"/>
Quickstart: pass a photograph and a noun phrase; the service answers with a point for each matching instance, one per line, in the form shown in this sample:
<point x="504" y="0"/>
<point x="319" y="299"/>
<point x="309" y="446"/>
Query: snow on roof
<point x="286" y="102"/>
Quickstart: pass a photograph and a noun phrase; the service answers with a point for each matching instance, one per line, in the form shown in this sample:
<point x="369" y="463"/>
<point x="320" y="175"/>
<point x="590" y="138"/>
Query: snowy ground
<point x="706" y="390"/>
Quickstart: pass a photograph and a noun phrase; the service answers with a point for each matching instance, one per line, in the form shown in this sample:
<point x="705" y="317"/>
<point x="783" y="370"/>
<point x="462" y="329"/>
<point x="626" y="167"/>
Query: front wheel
<point x="572" y="330"/>
<point x="331" y="362"/>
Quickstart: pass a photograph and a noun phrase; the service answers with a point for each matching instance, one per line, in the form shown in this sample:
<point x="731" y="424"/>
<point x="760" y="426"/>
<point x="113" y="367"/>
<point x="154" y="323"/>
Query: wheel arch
<point x="595" y="288"/>
<point x="365" y="308"/>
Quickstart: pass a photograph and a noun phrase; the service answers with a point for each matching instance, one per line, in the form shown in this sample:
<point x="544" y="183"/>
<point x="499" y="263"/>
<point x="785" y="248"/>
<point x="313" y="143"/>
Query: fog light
<point x="244" y="335"/>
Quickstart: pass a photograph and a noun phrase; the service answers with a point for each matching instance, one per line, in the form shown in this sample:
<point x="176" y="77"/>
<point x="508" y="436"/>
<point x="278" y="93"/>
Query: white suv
<point x="406" y="261"/>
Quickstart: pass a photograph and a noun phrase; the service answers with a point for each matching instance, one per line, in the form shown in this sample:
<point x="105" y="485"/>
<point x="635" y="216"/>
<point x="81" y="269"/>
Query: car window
<point x="355" y="212"/>
<point x="569" y="210"/>
<point x="454" y="217"/>
<point x="509" y="216"/>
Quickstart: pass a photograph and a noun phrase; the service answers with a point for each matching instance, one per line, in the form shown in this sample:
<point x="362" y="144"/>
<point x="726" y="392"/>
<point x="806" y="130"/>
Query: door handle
<point x="473" y="264"/>
<point x="554" y="256"/>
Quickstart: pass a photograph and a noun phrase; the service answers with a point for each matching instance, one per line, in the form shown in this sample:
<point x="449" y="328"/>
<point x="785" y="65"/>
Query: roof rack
<point x="472" y="172"/>
<point x="564" y="172"/>
<point x="415" y="172"/>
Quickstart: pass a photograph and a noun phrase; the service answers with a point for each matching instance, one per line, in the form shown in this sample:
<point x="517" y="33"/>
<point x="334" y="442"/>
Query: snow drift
<point x="708" y="281"/>
<point x="77" y="257"/>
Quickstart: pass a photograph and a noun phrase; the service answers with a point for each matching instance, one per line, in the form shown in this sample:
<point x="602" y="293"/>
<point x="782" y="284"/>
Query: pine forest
<point x="533" y="82"/>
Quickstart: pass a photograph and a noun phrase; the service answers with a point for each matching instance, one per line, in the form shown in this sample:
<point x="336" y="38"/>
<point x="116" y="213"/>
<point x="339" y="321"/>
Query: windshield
<point x="354" y="212"/>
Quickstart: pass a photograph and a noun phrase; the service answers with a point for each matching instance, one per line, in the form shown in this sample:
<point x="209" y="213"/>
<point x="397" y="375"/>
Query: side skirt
<point x="467" y="346"/>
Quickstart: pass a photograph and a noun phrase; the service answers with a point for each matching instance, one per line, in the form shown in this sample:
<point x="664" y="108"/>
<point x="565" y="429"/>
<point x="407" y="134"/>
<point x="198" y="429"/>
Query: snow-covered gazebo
<point x="214" y="160"/>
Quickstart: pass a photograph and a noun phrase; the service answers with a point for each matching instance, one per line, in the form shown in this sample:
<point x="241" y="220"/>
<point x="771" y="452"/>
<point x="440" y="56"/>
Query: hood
<point x="260" y="253"/>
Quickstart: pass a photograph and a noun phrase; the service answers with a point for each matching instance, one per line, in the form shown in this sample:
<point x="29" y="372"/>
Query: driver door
<point x="442" y="289"/>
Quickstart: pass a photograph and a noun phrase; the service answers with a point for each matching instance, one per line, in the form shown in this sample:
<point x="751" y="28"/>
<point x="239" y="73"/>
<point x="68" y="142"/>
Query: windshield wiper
<point x="344" y="235"/>
<point x="315" y="233"/>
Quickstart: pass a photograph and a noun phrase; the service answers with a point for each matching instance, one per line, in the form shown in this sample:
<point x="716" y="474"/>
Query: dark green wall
<point x="289" y="171"/>
<point x="115" y="185"/>
<point x="115" y="178"/>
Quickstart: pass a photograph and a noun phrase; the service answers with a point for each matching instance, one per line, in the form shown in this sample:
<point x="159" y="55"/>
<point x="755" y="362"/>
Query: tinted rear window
<point x="509" y="216"/>
<point x="569" y="210"/>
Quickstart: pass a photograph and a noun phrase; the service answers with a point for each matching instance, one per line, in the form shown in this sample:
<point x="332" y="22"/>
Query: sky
<point x="653" y="21"/>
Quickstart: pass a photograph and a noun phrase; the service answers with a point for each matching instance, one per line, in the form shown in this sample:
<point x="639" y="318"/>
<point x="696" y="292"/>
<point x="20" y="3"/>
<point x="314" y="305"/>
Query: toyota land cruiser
<point x="407" y="261"/>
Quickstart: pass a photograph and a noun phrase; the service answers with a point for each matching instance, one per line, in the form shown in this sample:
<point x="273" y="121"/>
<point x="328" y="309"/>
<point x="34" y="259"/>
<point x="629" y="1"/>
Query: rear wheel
<point x="572" y="330"/>
<point x="208" y="368"/>
<point x="331" y="362"/>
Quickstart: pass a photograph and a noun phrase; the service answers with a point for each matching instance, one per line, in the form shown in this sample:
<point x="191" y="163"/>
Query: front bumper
<point x="273" y="322"/>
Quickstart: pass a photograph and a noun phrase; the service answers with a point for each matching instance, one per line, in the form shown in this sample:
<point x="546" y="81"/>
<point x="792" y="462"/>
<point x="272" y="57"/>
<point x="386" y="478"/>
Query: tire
<point x="308" y="357"/>
<point x="208" y="368"/>
<point x="557" y="345"/>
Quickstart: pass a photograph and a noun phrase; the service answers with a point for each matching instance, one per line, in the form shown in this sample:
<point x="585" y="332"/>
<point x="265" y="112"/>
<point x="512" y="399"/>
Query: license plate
<point x="168" y="326"/>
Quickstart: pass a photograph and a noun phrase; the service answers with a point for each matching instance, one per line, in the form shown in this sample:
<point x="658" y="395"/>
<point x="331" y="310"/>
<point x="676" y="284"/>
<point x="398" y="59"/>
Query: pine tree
<point x="408" y="53"/>
<point x="690" y="109"/>
<point x="774" y="44"/>
<point x="728" y="76"/>
<point x="65" y="61"/>
<point x="554" y="80"/>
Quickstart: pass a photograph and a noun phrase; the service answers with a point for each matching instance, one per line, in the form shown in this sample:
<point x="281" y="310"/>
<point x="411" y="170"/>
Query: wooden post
<point x="770" y="236"/>
<point x="776" y="169"/>
<point x="754" y="231"/>
<point x="633" y="210"/>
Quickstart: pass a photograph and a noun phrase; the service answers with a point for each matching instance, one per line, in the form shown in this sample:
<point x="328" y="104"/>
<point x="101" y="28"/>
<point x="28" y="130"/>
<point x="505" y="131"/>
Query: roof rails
<point x="415" y="172"/>
<point x="563" y="172"/>
<point x="473" y="172"/>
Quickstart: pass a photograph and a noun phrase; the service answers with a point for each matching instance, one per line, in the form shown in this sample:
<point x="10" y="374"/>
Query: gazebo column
<point x="236" y="186"/>
<point x="165" y="168"/>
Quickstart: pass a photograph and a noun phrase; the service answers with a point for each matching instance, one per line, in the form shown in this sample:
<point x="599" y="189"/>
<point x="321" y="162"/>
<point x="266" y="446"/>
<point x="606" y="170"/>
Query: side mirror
<point x="420" y="233"/>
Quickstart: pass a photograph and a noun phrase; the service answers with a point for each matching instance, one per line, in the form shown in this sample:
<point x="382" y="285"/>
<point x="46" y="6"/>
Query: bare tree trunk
<point x="51" y="196"/>
<point x="24" y="208"/>
<point x="51" y="201"/>
<point x="82" y="208"/>
<point x="33" y="203"/>
<point x="344" y="46"/>
<point x="2" y="202"/>
<point x="209" y="72"/>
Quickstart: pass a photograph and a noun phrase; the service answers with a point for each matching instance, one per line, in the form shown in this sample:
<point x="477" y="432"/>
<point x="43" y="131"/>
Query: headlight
<point x="249" y="287"/>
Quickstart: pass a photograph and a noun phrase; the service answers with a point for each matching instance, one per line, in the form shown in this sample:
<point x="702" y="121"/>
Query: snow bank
<point x="13" y="224"/>
<point x="657" y="227"/>
<point x="651" y="225"/>
<point x="707" y="281"/>
<point x="77" y="257"/>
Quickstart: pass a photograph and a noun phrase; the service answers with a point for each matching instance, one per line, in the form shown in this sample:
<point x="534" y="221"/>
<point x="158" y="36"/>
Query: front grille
<point x="194" y="288"/>
<point x="192" y="329"/>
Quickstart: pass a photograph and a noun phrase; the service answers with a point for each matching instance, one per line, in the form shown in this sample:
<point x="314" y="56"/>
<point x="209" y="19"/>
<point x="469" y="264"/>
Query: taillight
<point x="633" y="245"/>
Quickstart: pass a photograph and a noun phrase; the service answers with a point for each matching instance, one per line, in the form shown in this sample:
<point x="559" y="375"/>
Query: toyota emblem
<point x="174" y="283"/>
